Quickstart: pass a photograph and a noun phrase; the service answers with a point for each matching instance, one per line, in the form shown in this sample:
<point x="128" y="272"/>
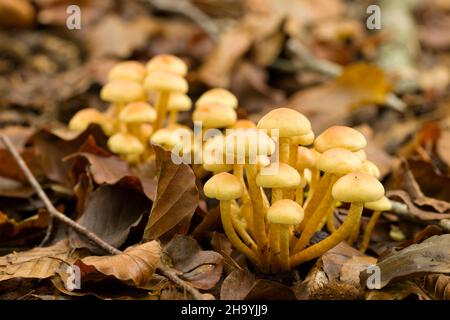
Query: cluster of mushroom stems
<point x="274" y="197"/>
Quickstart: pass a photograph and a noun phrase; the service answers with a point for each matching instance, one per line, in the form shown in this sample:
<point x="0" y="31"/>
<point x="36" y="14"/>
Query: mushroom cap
<point x="128" y="70"/>
<point x="284" y="176"/>
<point x="357" y="187"/>
<point x="304" y="140"/>
<point x="165" y="81"/>
<point x="122" y="91"/>
<point x="285" y="212"/>
<point x="340" y="137"/>
<point x="223" y="186"/>
<point x="289" y="122"/>
<point x="81" y="120"/>
<point x="306" y="158"/>
<point x="217" y="96"/>
<point x="249" y="143"/>
<point x="165" y="137"/>
<point x="338" y="161"/>
<point x="215" y="116"/>
<point x="380" y="205"/>
<point x="371" y="168"/>
<point x="179" y="102"/>
<point x="125" y="143"/>
<point x="168" y="63"/>
<point x="244" y="124"/>
<point x="213" y="157"/>
<point x="361" y="154"/>
<point x="136" y="112"/>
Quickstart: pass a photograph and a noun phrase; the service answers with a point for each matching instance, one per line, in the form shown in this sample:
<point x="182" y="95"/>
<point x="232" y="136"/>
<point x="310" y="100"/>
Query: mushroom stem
<point x="316" y="218"/>
<point x="240" y="229"/>
<point x="284" y="150"/>
<point x="246" y="208"/>
<point x="225" y="213"/>
<point x="284" y="247"/>
<point x="277" y="194"/>
<point x="355" y="233"/>
<point x="330" y="220"/>
<point x="259" y="213"/>
<point x="161" y="107"/>
<point x="300" y="191"/>
<point x="340" y="235"/>
<point x="293" y="152"/>
<point x="274" y="240"/>
<point x="368" y="231"/>
<point x="315" y="178"/>
<point x="173" y="117"/>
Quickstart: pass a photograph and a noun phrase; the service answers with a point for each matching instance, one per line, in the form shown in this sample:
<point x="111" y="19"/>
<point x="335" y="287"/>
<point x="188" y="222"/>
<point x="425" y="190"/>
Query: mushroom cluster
<point x="272" y="160"/>
<point x="131" y="121"/>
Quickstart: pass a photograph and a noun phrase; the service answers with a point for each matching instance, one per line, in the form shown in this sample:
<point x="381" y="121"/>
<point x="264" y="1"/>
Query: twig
<point x="187" y="9"/>
<point x="54" y="213"/>
<point x="332" y="69"/>
<point x="49" y="232"/>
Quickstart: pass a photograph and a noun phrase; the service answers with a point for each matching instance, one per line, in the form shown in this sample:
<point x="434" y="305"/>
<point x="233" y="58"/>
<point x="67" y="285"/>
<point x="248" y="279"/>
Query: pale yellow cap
<point x="217" y="96"/>
<point x="358" y="187"/>
<point x="167" y="63"/>
<point x="384" y="204"/>
<point x="136" y="112"/>
<point x="128" y="70"/>
<point x="215" y="116"/>
<point x="284" y="176"/>
<point x="165" y="81"/>
<point x="124" y="143"/>
<point x="340" y="137"/>
<point x="179" y="102"/>
<point x="304" y="140"/>
<point x="286" y="212"/>
<point x="289" y="122"/>
<point x="122" y="91"/>
<point x="223" y="186"/>
<point x="250" y="142"/>
<point x="338" y="161"/>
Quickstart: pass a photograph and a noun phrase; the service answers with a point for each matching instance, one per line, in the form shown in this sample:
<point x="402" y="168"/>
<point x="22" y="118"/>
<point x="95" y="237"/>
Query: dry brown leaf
<point x="398" y="291"/>
<point x="176" y="197"/>
<point x="10" y="229"/>
<point x="38" y="263"/>
<point x="438" y="286"/>
<point x="201" y="268"/>
<point x="135" y="265"/>
<point x="243" y="285"/>
<point x="430" y="256"/>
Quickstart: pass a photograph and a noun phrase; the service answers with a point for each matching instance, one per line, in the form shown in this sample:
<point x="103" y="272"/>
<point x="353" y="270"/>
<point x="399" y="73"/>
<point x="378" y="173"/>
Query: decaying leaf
<point x="432" y="255"/>
<point x="438" y="286"/>
<point x="243" y="285"/>
<point x="201" y="268"/>
<point x="176" y="197"/>
<point x="9" y="228"/>
<point x="398" y="291"/>
<point x="135" y="265"/>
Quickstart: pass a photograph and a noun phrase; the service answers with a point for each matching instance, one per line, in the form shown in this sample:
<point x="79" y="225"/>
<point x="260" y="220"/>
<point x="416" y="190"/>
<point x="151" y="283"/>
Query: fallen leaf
<point x="135" y="265"/>
<point x="243" y="285"/>
<point x="10" y="229"/>
<point x="176" y="197"/>
<point x="438" y="286"/>
<point x="201" y="268"/>
<point x="398" y="291"/>
<point x="432" y="255"/>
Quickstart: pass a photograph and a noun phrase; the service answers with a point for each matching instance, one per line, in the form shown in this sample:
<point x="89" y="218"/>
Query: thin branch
<point x="54" y="213"/>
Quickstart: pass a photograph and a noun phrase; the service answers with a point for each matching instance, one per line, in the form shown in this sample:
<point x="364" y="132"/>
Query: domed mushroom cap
<point x="81" y="120"/>
<point x="340" y="137"/>
<point x="371" y="168"/>
<point x="215" y="116"/>
<point x="286" y="212"/>
<point x="137" y="112"/>
<point x="380" y="205"/>
<point x="122" y="91"/>
<point x="127" y="70"/>
<point x="217" y="96"/>
<point x="250" y="142"/>
<point x="244" y="124"/>
<point x="168" y="63"/>
<point x="165" y="137"/>
<point x="124" y="143"/>
<point x="284" y="176"/>
<point x="306" y="158"/>
<point x="357" y="187"/>
<point x="361" y="154"/>
<point x="223" y="186"/>
<point x="289" y="122"/>
<point x="213" y="157"/>
<point x="165" y="81"/>
<point x="304" y="140"/>
<point x="179" y="102"/>
<point x="338" y="161"/>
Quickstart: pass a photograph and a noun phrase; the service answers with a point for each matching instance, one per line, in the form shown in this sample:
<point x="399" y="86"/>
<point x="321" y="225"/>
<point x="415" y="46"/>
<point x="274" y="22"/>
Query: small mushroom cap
<point x="165" y="81"/>
<point x="124" y="143"/>
<point x="244" y="124"/>
<point x="361" y="154"/>
<point x="380" y="205"/>
<point x="81" y="120"/>
<point x="215" y="116"/>
<point x="357" y="187"/>
<point x="289" y="122"/>
<point x="304" y="140"/>
<point x="223" y="186"/>
<point x="338" y="161"/>
<point x="127" y="70"/>
<point x="285" y="212"/>
<point x="214" y="159"/>
<point x="136" y="112"/>
<point x="249" y="143"/>
<point x="168" y="63"/>
<point x="217" y="96"/>
<point x="165" y="137"/>
<point x="284" y="176"/>
<point x="122" y="91"/>
<point x="179" y="102"/>
<point x="371" y="168"/>
<point x="306" y="158"/>
<point x="340" y="137"/>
